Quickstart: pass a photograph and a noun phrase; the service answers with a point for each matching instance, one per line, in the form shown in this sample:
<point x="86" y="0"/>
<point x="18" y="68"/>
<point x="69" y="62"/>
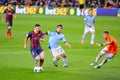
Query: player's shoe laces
<point x="65" y="65"/>
<point x="98" y="66"/>
<point x="93" y="63"/>
<point x="55" y="63"/>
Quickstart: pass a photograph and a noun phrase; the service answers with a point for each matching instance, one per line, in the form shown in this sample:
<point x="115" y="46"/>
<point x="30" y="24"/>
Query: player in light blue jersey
<point x="89" y="27"/>
<point x="55" y="48"/>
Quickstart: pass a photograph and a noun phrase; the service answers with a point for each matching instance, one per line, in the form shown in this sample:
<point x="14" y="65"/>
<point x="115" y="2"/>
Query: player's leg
<point x="55" y="59"/>
<point x="40" y="57"/>
<point x="102" y="52"/>
<point x="64" y="59"/>
<point x="108" y="57"/>
<point x="41" y="60"/>
<point x="92" y="30"/>
<point x="56" y="56"/>
<point x="35" y="55"/>
<point x="9" y="29"/>
<point x="86" y="30"/>
<point x="81" y="7"/>
<point x="9" y="33"/>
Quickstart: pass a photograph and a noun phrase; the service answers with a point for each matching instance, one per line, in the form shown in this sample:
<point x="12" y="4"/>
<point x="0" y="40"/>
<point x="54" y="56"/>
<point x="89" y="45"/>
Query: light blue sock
<point x="54" y="59"/>
<point x="64" y="61"/>
<point x="83" y="37"/>
<point x="92" y="37"/>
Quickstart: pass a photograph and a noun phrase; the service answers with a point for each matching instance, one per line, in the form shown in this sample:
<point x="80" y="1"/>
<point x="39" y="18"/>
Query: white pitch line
<point x="42" y="46"/>
<point x="45" y="51"/>
<point x="49" y="51"/>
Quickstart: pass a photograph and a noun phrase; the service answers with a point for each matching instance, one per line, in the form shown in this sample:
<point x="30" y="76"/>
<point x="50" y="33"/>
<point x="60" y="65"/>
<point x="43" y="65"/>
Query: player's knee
<point x="58" y="57"/>
<point x="93" y="32"/>
<point x="64" y="55"/>
<point x="102" y="52"/>
<point x="37" y="58"/>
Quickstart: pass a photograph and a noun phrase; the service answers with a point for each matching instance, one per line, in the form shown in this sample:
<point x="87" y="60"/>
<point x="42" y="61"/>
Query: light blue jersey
<point x="89" y="19"/>
<point x="54" y="39"/>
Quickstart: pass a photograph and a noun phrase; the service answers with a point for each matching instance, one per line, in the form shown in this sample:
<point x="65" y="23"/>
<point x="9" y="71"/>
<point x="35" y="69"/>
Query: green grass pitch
<point x="16" y="62"/>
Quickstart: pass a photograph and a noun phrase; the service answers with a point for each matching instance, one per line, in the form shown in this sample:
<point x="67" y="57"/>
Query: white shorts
<point x="108" y="55"/>
<point x="88" y="29"/>
<point x="57" y="51"/>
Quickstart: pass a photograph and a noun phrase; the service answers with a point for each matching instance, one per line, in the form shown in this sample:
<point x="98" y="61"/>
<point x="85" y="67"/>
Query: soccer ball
<point x="37" y="69"/>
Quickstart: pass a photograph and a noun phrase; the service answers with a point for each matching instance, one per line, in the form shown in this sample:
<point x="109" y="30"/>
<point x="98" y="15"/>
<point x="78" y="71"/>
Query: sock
<point x="10" y="32"/>
<point x="41" y="62"/>
<point x="64" y="61"/>
<point x="98" y="57"/>
<point x="103" y="62"/>
<point x="54" y="59"/>
<point x="83" y="37"/>
<point x="92" y="37"/>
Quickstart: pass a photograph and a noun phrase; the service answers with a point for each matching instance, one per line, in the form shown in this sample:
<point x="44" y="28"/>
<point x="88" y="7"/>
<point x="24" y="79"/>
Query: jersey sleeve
<point x="28" y="35"/>
<point x="110" y="39"/>
<point x="63" y="38"/>
<point x="49" y="32"/>
<point x="42" y="35"/>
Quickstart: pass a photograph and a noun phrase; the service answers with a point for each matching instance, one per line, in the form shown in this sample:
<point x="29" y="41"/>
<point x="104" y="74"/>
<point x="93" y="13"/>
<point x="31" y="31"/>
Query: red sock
<point x="9" y="32"/>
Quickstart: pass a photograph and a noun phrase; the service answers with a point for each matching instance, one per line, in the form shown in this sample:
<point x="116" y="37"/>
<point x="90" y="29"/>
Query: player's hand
<point x="25" y="46"/>
<point x="42" y="40"/>
<point x="69" y="46"/>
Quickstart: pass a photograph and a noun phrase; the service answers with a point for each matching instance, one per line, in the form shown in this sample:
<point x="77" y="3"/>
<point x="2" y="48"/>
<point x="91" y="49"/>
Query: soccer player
<point x="89" y="27"/>
<point x="81" y="6"/>
<point x="55" y="48"/>
<point x="110" y="50"/>
<point x="9" y="12"/>
<point x="36" y="50"/>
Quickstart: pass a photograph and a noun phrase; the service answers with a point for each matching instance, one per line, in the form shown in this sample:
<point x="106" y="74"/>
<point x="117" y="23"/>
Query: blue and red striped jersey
<point x="34" y="38"/>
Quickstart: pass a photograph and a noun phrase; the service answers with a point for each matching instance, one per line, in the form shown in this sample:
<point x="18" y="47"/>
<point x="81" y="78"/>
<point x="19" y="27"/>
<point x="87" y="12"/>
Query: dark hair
<point x="37" y="25"/>
<point x="107" y="32"/>
<point x="91" y="9"/>
<point x="60" y="26"/>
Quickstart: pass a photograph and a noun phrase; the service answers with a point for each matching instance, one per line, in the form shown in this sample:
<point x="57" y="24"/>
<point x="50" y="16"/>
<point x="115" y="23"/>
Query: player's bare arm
<point x="42" y="39"/>
<point x="14" y="15"/>
<point x="45" y="33"/>
<point x="2" y="17"/>
<point x="67" y="44"/>
<point x="25" y="42"/>
<point x="103" y="44"/>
